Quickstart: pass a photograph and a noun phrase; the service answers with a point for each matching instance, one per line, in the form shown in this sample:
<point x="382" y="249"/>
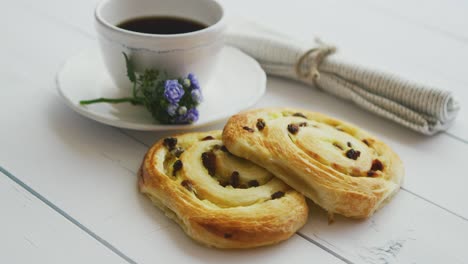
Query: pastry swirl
<point x="219" y="199"/>
<point x="339" y="166"/>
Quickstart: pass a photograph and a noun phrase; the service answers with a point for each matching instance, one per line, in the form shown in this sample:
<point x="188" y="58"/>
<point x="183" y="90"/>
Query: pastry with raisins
<point x="339" y="166"/>
<point x="219" y="199"/>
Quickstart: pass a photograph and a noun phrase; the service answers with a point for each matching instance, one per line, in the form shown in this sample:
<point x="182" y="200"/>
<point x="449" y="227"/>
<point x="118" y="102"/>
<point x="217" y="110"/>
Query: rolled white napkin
<point x="427" y="110"/>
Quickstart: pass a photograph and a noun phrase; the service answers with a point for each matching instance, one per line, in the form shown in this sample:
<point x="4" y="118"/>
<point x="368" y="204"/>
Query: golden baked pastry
<point x="339" y="166"/>
<point x="219" y="199"/>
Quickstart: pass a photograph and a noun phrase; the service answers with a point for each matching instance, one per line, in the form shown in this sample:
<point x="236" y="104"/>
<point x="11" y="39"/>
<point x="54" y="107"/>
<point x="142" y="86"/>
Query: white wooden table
<point x="68" y="186"/>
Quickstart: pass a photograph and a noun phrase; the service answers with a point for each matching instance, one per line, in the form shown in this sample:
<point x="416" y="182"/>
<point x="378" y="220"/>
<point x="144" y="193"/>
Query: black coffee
<point x="161" y="25"/>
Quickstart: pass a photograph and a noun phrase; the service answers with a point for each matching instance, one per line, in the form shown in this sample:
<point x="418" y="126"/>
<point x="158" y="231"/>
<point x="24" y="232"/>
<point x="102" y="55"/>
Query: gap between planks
<point x="345" y="260"/>
<point x="437" y="205"/>
<point x="66" y="216"/>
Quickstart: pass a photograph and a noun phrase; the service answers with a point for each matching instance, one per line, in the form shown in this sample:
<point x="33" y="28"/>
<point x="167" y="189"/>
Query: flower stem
<point x="131" y="100"/>
<point x="134" y="90"/>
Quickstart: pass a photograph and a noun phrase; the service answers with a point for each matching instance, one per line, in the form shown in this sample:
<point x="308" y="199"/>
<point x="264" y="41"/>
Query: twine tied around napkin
<point x="424" y="109"/>
<point x="308" y="64"/>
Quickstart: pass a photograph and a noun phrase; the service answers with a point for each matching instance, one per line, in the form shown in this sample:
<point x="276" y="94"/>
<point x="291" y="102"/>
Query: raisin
<point x="377" y="165"/>
<point x="209" y="161"/>
<point x="170" y="142"/>
<point x="176" y="167"/>
<point x="353" y="154"/>
<point x="248" y="129"/>
<point x="253" y="183"/>
<point x="187" y="184"/>
<point x="293" y="128"/>
<point x="371" y="173"/>
<point x="207" y="138"/>
<point x="235" y="179"/>
<point x="300" y="115"/>
<point x="349" y="144"/>
<point x="260" y="124"/>
<point x="277" y="195"/>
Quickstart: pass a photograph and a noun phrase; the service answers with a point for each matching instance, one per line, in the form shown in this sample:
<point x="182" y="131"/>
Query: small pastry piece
<point x="339" y="166"/>
<point x="218" y="199"/>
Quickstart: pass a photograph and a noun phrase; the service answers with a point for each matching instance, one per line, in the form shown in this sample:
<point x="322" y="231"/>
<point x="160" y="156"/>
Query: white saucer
<point x="238" y="82"/>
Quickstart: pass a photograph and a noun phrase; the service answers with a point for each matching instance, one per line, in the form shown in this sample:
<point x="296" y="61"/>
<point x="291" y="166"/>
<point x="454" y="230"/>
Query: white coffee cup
<point x="177" y="54"/>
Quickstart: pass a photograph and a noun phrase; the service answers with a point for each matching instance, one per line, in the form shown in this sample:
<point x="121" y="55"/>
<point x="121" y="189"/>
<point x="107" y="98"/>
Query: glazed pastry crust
<point x="207" y="207"/>
<point x="312" y="153"/>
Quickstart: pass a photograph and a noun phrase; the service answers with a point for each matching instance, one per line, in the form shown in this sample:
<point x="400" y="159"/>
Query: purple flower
<point x="192" y="115"/>
<point x="193" y="81"/>
<point x="173" y="91"/>
<point x="172" y="108"/>
<point x="197" y="96"/>
<point x="189" y="117"/>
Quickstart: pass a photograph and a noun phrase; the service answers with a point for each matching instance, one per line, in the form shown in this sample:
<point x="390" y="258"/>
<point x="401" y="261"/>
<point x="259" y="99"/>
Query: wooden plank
<point x="34" y="233"/>
<point x="447" y="18"/>
<point x="407" y="230"/>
